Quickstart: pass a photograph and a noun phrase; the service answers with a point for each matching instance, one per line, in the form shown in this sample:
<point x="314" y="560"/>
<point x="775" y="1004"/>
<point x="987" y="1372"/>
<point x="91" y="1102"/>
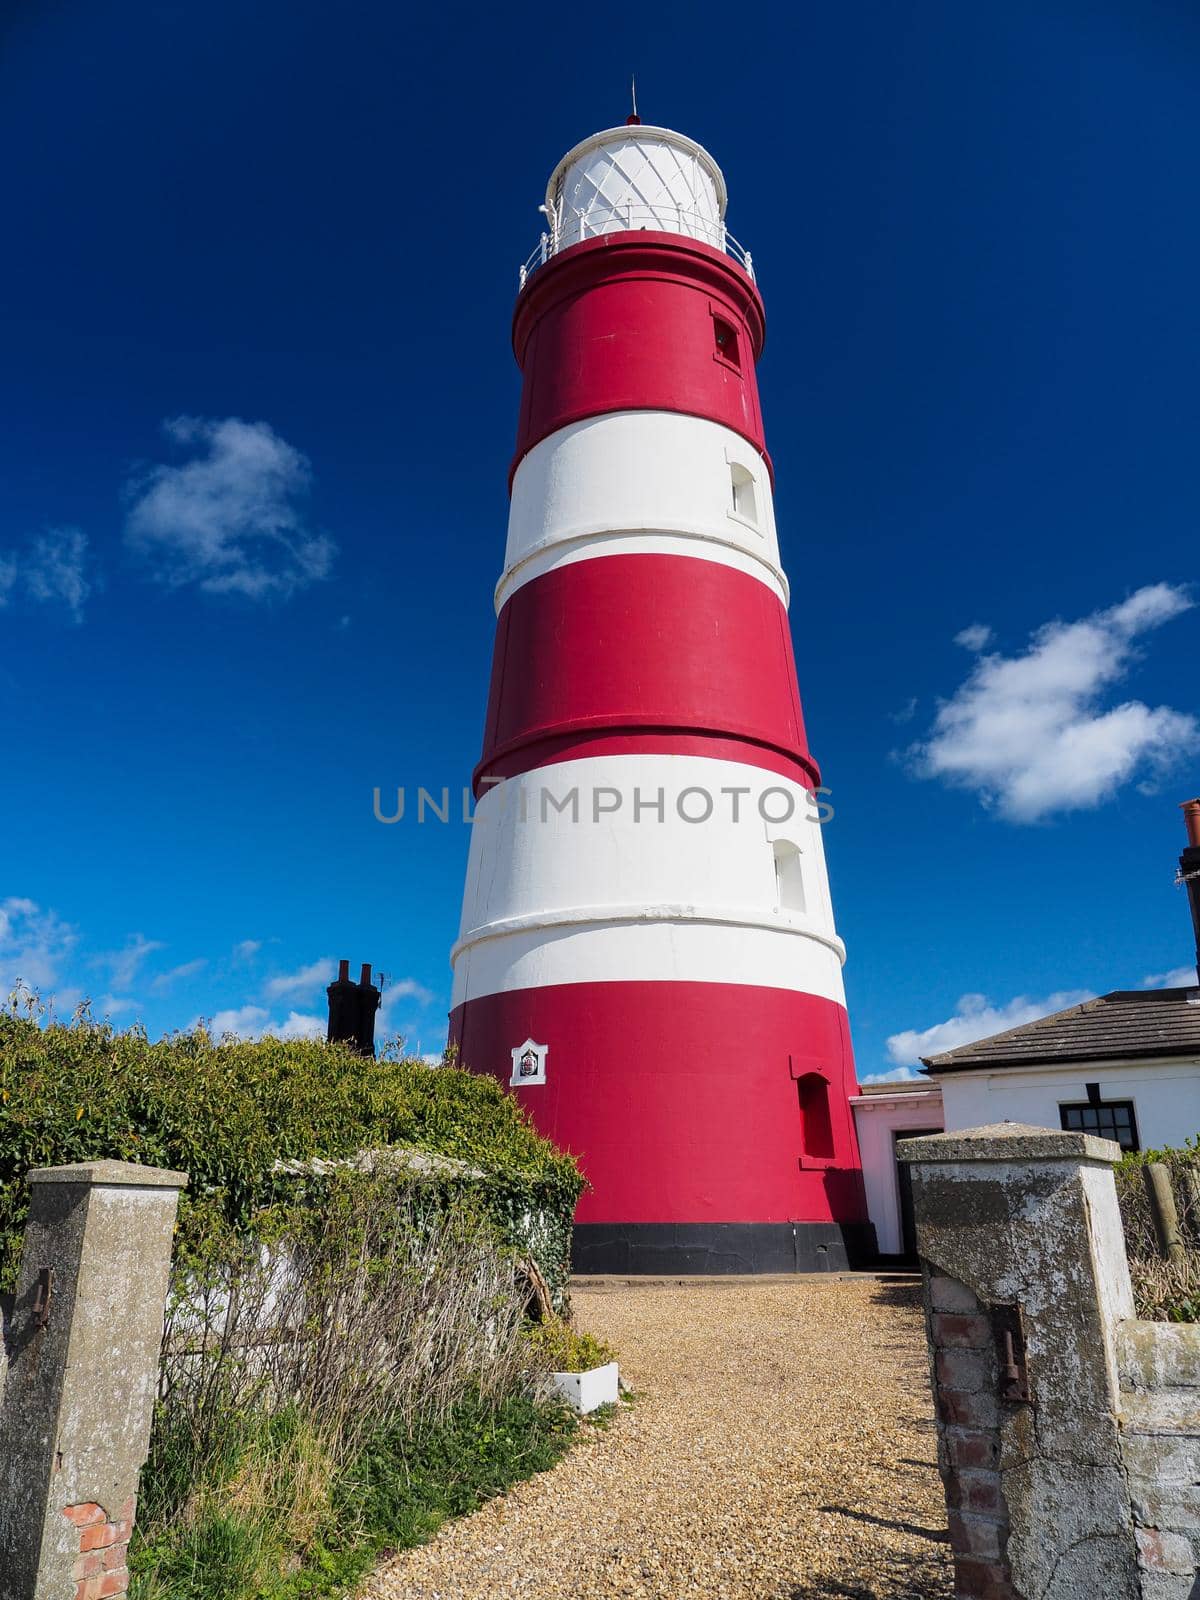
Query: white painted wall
<point x="642" y="177"/>
<point x="572" y="895"/>
<point x="878" y="1118"/>
<point x="1165" y="1095"/>
<point x="636" y="481"/>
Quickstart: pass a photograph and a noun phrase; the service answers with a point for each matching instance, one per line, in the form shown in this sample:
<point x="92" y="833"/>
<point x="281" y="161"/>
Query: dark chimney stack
<point x="352" y="1008"/>
<point x="1189" y="868"/>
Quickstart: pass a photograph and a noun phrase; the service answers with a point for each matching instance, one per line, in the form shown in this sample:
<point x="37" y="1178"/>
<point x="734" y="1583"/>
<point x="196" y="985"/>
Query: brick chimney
<point x="352" y="1008"/>
<point x="1189" y="868"/>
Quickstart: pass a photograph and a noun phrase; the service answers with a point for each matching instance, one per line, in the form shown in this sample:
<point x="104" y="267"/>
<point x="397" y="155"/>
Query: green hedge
<point x="227" y="1112"/>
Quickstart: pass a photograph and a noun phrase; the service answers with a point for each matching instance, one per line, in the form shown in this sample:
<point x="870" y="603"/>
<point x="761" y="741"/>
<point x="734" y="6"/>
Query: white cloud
<point x="51" y="570"/>
<point x="975" y="638"/>
<point x="245" y="1022"/>
<point x="12" y="909"/>
<point x="407" y="989"/>
<point x="1029" y="732"/>
<point x="298" y="1026"/>
<point x="187" y="969"/>
<point x="318" y="974"/>
<point x="1177" y="978"/>
<point x="54" y="569"/>
<point x="254" y="1022"/>
<point x="246" y="949"/>
<point x="304" y="981"/>
<point x="63" y="1001"/>
<point x="112" y="1005"/>
<point x="123" y="965"/>
<point x="896" y="1075"/>
<point x="390" y="1023"/>
<point x="977" y="1018"/>
<point x="33" y="943"/>
<point x="230" y="519"/>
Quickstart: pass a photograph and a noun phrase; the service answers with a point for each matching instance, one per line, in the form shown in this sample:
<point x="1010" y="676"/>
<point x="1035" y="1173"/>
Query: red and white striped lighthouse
<point x="647" y="953"/>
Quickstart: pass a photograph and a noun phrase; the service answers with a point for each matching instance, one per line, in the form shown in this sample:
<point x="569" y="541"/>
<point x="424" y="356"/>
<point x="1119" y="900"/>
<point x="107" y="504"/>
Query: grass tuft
<point x="280" y="1526"/>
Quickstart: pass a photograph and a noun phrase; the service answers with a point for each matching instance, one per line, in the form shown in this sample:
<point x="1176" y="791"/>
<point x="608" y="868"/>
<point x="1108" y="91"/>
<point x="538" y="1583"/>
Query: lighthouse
<point x="647" y="956"/>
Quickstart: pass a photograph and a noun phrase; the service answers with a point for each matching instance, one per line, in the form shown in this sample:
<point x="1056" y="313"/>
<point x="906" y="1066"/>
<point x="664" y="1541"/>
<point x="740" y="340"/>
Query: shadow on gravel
<point x="899" y="1578"/>
<point x="904" y="1292"/>
<point x="915" y="1585"/>
<point x="938" y="1535"/>
<point x="924" y="1574"/>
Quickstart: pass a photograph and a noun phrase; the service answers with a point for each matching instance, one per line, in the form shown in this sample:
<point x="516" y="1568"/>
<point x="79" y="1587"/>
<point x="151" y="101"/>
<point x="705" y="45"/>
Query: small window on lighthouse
<point x="816" y="1125"/>
<point x="725" y="335"/>
<point x="745" y="505"/>
<point x="789" y="876"/>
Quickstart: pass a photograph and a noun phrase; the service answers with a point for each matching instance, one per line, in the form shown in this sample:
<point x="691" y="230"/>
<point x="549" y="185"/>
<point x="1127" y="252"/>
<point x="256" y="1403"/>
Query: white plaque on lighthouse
<point x="528" y="1064"/>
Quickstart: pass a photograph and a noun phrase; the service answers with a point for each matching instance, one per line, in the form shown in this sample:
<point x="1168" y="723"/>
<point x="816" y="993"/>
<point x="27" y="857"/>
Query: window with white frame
<point x="789" y="876"/>
<point x="745" y="502"/>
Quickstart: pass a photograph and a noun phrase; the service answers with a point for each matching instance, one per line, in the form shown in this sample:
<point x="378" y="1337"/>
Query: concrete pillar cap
<point x="111" y="1175"/>
<point x="1008" y="1142"/>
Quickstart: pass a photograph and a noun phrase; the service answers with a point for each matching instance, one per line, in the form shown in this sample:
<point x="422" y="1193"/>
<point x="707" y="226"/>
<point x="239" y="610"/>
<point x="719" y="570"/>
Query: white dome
<point x="631" y="178"/>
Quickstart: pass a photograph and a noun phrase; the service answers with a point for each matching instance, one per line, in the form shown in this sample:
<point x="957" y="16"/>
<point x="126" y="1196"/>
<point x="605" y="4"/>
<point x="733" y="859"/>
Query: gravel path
<point x="780" y="1447"/>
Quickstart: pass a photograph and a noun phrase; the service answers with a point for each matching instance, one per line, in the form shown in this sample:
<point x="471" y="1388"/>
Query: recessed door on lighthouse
<point x="647" y="956"/>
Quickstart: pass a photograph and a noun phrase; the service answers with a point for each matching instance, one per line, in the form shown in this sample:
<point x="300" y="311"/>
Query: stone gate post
<point x="1026" y="1281"/>
<point x="83" y="1366"/>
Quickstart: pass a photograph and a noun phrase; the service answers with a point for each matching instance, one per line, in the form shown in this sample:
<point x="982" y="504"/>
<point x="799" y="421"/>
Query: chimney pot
<point x="352" y="1008"/>
<point x="1189" y="868"/>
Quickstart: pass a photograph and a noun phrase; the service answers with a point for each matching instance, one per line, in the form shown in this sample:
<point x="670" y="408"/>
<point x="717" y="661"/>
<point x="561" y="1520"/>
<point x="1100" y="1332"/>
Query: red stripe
<point x="626" y="323"/>
<point x="631" y="645"/>
<point x="683" y="1100"/>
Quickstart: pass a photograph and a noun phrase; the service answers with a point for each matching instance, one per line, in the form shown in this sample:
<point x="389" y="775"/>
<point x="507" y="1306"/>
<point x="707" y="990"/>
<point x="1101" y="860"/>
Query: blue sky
<point x="259" y="404"/>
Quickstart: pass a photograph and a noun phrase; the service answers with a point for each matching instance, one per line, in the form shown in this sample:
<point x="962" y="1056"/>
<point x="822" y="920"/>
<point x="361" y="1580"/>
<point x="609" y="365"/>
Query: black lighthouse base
<point x="716" y="1248"/>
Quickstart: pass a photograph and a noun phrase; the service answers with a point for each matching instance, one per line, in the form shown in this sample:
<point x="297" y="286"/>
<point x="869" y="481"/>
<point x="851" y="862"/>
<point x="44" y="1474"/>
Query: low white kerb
<point x="588" y="1391"/>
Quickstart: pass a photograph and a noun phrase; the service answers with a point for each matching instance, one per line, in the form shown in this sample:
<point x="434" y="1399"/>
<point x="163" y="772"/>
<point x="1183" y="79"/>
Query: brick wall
<point x="100" y="1569"/>
<point x="966" y="1380"/>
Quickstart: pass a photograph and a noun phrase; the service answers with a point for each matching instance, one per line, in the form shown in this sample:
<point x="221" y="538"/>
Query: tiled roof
<point x="913" y="1085"/>
<point x="1124" y="1025"/>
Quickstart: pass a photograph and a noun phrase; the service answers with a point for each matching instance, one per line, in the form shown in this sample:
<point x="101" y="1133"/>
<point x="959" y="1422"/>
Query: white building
<point x="1125" y="1066"/>
<point x="883" y="1113"/>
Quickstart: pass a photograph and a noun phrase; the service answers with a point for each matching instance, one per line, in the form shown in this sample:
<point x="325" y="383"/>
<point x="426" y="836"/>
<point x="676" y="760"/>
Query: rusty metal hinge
<point x="41" y="1300"/>
<point x="1010" y="1351"/>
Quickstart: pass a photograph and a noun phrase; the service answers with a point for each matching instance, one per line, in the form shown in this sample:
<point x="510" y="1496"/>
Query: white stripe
<point x="596" y="916"/>
<point x="688" y="484"/>
<point x="693" y="952"/>
<point x="636" y="866"/>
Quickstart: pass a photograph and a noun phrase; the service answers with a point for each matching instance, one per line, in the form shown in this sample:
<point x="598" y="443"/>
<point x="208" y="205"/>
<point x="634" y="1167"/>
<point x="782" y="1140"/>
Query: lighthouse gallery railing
<point x="629" y="218"/>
